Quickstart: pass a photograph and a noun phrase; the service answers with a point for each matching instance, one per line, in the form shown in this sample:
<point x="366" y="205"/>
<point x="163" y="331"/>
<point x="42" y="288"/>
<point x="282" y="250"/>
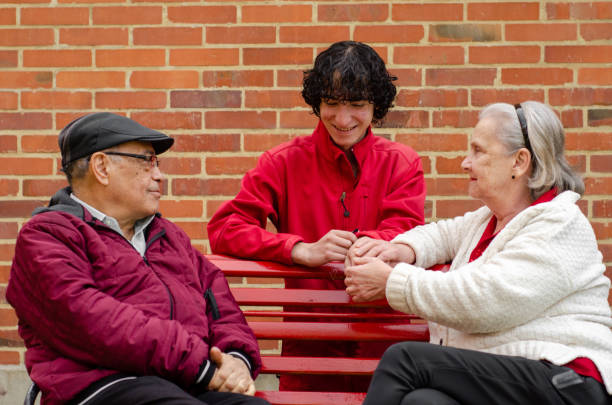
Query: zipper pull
<point x="342" y="197"/>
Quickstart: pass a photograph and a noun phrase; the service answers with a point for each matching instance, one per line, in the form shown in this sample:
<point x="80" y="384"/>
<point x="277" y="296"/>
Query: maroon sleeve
<point x="238" y="227"/>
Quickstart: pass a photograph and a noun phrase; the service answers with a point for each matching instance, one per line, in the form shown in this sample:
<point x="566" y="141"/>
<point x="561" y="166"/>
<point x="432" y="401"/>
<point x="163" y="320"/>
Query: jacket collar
<point x="331" y="151"/>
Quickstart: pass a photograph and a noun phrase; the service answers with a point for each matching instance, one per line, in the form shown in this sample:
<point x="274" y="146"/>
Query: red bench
<point x="263" y="307"/>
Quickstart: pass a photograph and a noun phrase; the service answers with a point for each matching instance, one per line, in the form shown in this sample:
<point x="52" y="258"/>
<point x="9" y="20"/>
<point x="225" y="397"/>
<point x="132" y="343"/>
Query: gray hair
<point x="76" y="169"/>
<point x="547" y="139"/>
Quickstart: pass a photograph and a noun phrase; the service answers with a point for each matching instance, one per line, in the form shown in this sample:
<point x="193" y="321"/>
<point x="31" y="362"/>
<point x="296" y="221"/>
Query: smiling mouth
<point x="345" y="129"/>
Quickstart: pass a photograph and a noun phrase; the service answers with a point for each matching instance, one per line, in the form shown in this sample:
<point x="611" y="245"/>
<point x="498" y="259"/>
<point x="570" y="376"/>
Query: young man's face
<point x="346" y="121"/>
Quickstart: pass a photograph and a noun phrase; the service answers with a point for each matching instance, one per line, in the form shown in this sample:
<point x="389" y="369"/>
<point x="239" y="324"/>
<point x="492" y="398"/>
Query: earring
<point x="513" y="177"/>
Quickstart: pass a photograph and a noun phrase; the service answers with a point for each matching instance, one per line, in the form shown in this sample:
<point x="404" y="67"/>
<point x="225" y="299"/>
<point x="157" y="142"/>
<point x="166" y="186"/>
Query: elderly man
<point x="115" y="305"/>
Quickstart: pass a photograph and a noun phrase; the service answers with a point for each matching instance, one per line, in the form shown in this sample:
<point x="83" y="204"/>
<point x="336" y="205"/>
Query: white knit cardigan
<point x="538" y="291"/>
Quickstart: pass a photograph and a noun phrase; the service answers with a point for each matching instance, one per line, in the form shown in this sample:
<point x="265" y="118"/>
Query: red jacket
<point x="89" y="305"/>
<point x="299" y="185"/>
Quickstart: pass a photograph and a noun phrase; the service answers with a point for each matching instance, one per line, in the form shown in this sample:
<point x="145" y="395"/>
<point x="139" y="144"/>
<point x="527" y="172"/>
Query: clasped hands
<point x="231" y="375"/>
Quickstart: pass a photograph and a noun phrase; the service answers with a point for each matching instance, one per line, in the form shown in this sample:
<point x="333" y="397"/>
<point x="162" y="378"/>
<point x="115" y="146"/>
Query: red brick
<point x="241" y="35"/>
<point x="446" y="165"/>
<point x="594" y="32"/>
<point x="406" y="119"/>
<point x="455" y="118"/>
<point x="9" y="187"/>
<point x="304" y="119"/>
<point x="273" y="99"/>
<point x="353" y="12"/>
<point x="9" y="357"/>
<point x="8" y="100"/>
<point x="541" y="32"/>
<point x="453" y="208"/>
<point x="597" y="118"/>
<point x="606" y="251"/>
<point x="577" y="162"/>
<point x="8" y="16"/>
<point x="39" y="143"/>
<point x="263" y="142"/>
<point x="202" y="14"/>
<point x="230" y="165"/>
<point x="240" y="119"/>
<point x="504" y="54"/>
<point x="447" y="186"/>
<point x="57" y="58"/>
<point x="598" y="185"/>
<point x="580" y="11"/>
<point x="130" y="57"/>
<point x="315" y="34"/>
<point x="427" y="12"/>
<point x="181" y="209"/>
<point x="432" y="98"/>
<point x="598" y="76"/>
<point x="389" y="33"/>
<point x="407" y="77"/>
<point x="290" y="78"/>
<point x="62" y="119"/>
<point x="25" y="120"/>
<point x="212" y="206"/>
<point x="204" y="57"/>
<point x="435" y="142"/>
<point x="557" y="11"/>
<point x="536" y="76"/>
<point x="29" y="79"/>
<point x="602" y="209"/>
<point x="571" y="118"/>
<point x="277" y="56"/>
<point x="90" y="79"/>
<point x="8" y="143"/>
<point x="19" y="209"/>
<point x="26" y="37"/>
<point x="239" y="78"/>
<point x="25" y="166"/>
<point x="130" y="99"/>
<point x="581" y="96"/>
<point x="182" y="165"/>
<point x="169" y="120"/>
<point x="482" y="97"/>
<point x="503" y="11"/>
<point x="207" y="143"/>
<point x="460" y="77"/>
<point x="195" y="230"/>
<point x="205" y="187"/>
<point x="54" y="16"/>
<point x="42" y="188"/>
<point x="167" y="36"/>
<point x="465" y="33"/>
<point x="7" y="251"/>
<point x="55" y="100"/>
<point x="429" y="55"/>
<point x="588" y="141"/>
<point x="601" y="163"/>
<point x="8" y="230"/>
<point x="94" y="36"/>
<point x="277" y="14"/>
<point x="133" y="15"/>
<point x="578" y="54"/>
<point x="205" y="99"/>
<point x="8" y="59"/>
<point x="602" y="230"/>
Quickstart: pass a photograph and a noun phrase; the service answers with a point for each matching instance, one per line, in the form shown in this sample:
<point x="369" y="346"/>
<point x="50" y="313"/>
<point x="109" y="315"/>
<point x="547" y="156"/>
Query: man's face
<point x="347" y="121"/>
<point x="135" y="185"/>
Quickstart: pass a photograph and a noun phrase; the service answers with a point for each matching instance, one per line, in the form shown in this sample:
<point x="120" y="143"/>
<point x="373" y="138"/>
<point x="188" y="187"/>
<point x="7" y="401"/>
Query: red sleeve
<point x="403" y="207"/>
<point x="238" y="227"/>
<point x="53" y="292"/>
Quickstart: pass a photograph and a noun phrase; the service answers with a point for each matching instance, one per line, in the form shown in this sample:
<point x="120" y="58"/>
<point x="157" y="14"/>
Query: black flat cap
<point x="98" y="131"/>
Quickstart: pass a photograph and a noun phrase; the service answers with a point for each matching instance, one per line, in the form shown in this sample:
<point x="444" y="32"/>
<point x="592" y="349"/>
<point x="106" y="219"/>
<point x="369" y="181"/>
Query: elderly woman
<point x="522" y="316"/>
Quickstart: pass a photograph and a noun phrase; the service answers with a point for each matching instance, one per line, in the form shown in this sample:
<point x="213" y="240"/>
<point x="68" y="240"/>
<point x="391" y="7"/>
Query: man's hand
<point x="231" y="375"/>
<point x="390" y="253"/>
<point x="333" y="246"/>
<point x="367" y="279"/>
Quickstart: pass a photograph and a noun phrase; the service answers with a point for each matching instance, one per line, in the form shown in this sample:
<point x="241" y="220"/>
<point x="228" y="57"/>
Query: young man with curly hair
<point x="326" y="192"/>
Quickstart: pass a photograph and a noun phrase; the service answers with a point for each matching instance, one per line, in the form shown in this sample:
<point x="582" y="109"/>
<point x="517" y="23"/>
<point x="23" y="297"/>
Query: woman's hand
<point x="391" y="253"/>
<point x="366" y="280"/>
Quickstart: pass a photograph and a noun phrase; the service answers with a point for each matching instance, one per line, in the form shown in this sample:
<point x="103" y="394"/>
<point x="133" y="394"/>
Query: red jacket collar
<point x="331" y="151"/>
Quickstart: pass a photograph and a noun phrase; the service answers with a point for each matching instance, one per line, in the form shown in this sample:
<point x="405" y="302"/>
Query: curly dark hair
<point x="349" y="71"/>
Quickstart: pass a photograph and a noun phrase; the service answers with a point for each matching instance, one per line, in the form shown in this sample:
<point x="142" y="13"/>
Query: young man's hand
<point x="333" y="246"/>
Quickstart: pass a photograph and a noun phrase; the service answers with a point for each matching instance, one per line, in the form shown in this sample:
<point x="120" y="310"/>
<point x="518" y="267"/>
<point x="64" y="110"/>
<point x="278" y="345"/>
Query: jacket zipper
<point x="170" y="298"/>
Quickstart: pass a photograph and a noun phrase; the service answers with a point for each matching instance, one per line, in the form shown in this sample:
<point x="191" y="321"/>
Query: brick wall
<point x="223" y="78"/>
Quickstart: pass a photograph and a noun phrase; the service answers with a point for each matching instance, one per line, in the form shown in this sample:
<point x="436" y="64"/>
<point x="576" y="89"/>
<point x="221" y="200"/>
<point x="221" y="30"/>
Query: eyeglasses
<point x="152" y="159"/>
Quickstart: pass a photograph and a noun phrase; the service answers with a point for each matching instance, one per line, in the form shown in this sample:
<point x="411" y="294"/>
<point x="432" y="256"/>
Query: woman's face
<point x="346" y="121"/>
<point x="488" y="164"/>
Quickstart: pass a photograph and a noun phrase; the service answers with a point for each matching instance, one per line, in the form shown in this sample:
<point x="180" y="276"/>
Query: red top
<point x="580" y="365"/>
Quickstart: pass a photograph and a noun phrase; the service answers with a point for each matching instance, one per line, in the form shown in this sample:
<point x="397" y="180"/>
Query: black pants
<point x="426" y="374"/>
<point x="150" y="390"/>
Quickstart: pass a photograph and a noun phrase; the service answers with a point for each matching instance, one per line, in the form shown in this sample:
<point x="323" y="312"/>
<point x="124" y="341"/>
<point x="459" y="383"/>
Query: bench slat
<point x="245" y="268"/>
<point x="326" y="315"/>
<point x="312" y="398"/>
<point x="298" y="297"/>
<point x="318" y="365"/>
<point x="357" y="331"/>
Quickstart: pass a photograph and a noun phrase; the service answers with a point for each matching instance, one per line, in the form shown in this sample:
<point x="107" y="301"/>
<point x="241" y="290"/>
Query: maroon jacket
<point x="89" y="305"/>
